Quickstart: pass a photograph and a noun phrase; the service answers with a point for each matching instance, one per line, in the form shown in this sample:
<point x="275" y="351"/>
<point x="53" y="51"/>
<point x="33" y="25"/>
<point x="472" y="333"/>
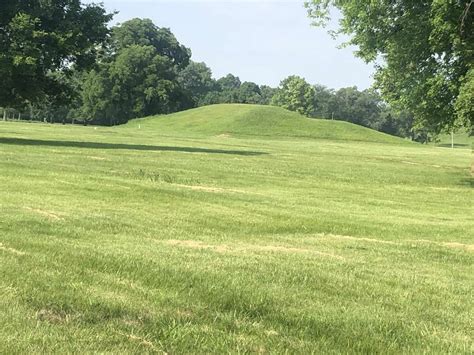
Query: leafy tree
<point x="396" y="123"/>
<point x="229" y="83"/>
<point x="359" y="107"/>
<point x="295" y="94"/>
<point x="266" y="94"/>
<point x="138" y="77"/>
<point x="427" y="51"/>
<point x="95" y="96"/>
<point x="196" y="79"/>
<point x="57" y="108"/>
<point x="137" y="83"/>
<point x="144" y="32"/>
<point x="249" y="93"/>
<point x="211" y="98"/>
<point x="227" y="90"/>
<point x="464" y="104"/>
<point x="38" y="38"/>
<point x="142" y="83"/>
<point x="324" y="102"/>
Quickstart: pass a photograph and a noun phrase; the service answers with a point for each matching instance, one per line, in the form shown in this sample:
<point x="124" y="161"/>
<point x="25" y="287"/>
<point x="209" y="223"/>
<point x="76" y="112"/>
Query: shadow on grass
<point x="468" y="182"/>
<point x="456" y="145"/>
<point x="96" y="145"/>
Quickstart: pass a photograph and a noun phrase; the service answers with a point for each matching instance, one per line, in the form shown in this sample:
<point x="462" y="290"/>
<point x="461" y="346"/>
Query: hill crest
<point x="259" y="121"/>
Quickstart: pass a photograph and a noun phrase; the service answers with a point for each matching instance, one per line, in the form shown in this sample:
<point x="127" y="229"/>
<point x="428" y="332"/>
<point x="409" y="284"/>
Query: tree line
<point x="423" y="52"/>
<point x="143" y="70"/>
<point x="59" y="62"/>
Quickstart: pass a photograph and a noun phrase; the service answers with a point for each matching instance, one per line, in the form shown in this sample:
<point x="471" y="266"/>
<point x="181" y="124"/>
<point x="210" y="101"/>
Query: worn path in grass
<point x="181" y="237"/>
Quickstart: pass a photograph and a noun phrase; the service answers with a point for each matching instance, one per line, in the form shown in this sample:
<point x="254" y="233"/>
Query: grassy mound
<point x="256" y="120"/>
<point x="160" y="240"/>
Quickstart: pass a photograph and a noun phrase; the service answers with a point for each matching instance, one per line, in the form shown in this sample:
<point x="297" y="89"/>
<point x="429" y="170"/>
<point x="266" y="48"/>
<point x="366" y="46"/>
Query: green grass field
<point x="233" y="228"/>
<point x="461" y="140"/>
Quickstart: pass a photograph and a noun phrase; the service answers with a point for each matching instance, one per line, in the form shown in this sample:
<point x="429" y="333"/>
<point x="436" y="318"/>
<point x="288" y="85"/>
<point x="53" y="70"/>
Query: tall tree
<point x="427" y="52"/>
<point x="139" y="77"/>
<point x="324" y="102"/>
<point x="266" y="93"/>
<point x="249" y="93"/>
<point x="295" y="94"/>
<point x="360" y="107"/>
<point x="229" y="82"/>
<point x="144" y="32"/>
<point x="142" y="83"/>
<point x="40" y="38"/>
<point x="196" y="79"/>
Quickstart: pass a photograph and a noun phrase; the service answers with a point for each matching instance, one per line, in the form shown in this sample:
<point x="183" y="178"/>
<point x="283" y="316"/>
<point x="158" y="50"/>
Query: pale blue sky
<point x="258" y="40"/>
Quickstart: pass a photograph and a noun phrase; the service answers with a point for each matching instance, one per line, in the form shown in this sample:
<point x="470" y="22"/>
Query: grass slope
<point x="262" y="121"/>
<point x="176" y="239"/>
<point x="461" y="140"/>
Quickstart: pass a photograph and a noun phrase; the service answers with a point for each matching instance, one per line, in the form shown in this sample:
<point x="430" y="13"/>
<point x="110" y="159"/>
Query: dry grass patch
<point x="96" y="158"/>
<point x="53" y="216"/>
<point x="11" y="250"/>
<point x="358" y="239"/>
<point x="248" y="248"/>
<point x="54" y="316"/>
<point x="141" y="341"/>
<point x="467" y="247"/>
<point x="213" y="189"/>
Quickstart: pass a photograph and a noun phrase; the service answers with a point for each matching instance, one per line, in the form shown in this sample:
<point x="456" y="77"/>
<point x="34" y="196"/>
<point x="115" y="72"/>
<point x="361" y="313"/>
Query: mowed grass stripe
<point x="316" y="245"/>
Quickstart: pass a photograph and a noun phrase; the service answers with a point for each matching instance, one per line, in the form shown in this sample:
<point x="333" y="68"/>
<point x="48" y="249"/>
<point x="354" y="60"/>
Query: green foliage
<point x="249" y="93"/>
<point x="40" y="38"/>
<point x="196" y="79"/>
<point x="295" y="94"/>
<point x="143" y="32"/>
<point x="230" y="89"/>
<point x="266" y="94"/>
<point x="229" y="83"/>
<point x="365" y="108"/>
<point x="426" y="47"/>
<point x="95" y="96"/>
<point x="464" y="104"/>
<point x="360" y="107"/>
<point x="142" y="83"/>
<point x="324" y="102"/>
<point x="139" y="77"/>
